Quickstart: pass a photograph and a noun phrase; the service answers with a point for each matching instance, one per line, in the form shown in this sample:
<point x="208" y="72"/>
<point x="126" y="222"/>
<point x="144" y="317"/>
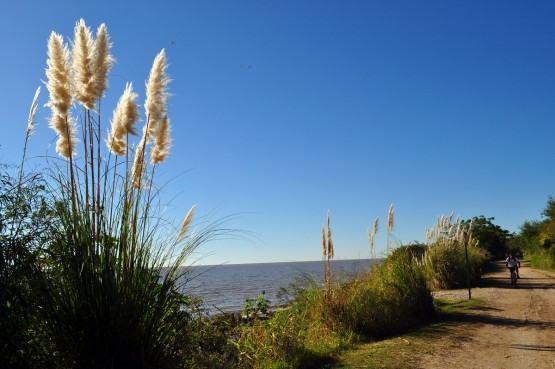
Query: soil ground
<point x="515" y="330"/>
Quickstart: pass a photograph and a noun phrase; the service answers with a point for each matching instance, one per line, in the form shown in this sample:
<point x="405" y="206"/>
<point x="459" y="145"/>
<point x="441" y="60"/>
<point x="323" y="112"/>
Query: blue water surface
<point x="226" y="287"/>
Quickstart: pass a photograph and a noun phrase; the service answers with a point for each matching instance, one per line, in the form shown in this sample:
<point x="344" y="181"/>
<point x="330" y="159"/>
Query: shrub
<point x="24" y="228"/>
<point x="391" y="298"/>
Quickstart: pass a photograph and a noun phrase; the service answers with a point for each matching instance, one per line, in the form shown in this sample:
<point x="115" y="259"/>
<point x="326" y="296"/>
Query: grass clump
<point x="390" y="298"/>
<point x="445" y="257"/>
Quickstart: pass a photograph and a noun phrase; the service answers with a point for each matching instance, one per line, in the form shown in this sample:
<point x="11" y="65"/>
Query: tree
<point x="546" y="236"/>
<point x="490" y="236"/>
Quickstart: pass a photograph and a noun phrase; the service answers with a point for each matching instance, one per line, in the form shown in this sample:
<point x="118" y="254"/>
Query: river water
<point x="226" y="287"/>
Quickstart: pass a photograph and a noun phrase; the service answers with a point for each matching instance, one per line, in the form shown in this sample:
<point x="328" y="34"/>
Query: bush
<point x="390" y="298"/>
<point x="24" y="228"/>
<point x="446" y="265"/>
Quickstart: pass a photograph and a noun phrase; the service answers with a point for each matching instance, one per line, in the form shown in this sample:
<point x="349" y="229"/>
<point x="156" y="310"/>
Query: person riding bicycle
<point x="513" y="264"/>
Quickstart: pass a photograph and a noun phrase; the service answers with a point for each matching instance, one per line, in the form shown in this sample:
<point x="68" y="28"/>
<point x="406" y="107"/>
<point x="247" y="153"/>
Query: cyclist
<point x="513" y="264"/>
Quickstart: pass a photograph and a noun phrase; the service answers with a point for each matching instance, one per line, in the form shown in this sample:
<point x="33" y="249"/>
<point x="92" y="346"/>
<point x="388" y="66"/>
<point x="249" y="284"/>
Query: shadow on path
<point x="499" y="278"/>
<point x="533" y="347"/>
<point x="495" y="321"/>
<point x="490" y="315"/>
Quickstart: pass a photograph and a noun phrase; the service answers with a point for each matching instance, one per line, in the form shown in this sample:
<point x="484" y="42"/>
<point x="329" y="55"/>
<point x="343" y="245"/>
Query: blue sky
<point x="283" y="110"/>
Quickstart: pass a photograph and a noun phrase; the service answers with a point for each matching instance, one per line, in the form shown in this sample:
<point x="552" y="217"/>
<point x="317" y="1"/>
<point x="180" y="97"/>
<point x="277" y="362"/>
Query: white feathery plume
<point x="162" y="142"/>
<point x="156" y="93"/>
<point x="390" y="218"/>
<point x="101" y="62"/>
<point x="31" y="121"/>
<point x="58" y="74"/>
<point x="185" y="225"/>
<point x="83" y="45"/>
<point x="123" y="122"/>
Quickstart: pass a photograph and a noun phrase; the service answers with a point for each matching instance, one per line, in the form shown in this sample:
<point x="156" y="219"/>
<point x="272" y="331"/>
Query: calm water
<point x="226" y="287"/>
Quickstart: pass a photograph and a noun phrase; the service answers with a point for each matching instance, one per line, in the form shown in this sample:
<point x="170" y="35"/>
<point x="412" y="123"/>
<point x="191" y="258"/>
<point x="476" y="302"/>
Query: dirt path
<point x="516" y="330"/>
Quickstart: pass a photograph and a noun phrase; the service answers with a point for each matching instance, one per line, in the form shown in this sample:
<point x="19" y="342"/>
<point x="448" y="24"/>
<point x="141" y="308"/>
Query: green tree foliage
<point x="547" y="231"/>
<point x="530" y="232"/>
<point x="490" y="237"/>
<point x="536" y="234"/>
<point x="537" y="238"/>
<point x="25" y="226"/>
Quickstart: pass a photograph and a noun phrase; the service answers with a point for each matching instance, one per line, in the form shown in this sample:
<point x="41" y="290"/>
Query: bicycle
<point x="513" y="276"/>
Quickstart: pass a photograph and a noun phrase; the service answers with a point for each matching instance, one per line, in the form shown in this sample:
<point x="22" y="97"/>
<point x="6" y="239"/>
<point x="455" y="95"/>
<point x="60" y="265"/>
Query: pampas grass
<point x="390" y="224"/>
<point x="32" y="120"/>
<point x="59" y="87"/>
<point x="445" y="258"/>
<point x="101" y="62"/>
<point x="390" y="218"/>
<point x="371" y="236"/>
<point x="123" y="122"/>
<point x="185" y="225"/>
<point x="162" y="143"/>
<point x="156" y="93"/>
<point x="327" y="254"/>
<point x="111" y="298"/>
<point x="83" y="45"/>
<point x="91" y="62"/>
<point x="58" y="74"/>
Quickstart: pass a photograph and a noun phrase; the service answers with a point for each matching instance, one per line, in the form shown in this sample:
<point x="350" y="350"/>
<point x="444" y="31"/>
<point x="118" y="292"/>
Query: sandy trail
<point x="516" y="330"/>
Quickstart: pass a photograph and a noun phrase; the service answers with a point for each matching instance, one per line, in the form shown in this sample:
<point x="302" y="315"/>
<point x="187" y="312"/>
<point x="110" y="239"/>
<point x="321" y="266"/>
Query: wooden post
<point x="467" y="267"/>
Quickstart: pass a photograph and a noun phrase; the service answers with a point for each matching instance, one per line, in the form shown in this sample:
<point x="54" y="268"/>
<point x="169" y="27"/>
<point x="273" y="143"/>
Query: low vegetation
<point x="398" y="352"/>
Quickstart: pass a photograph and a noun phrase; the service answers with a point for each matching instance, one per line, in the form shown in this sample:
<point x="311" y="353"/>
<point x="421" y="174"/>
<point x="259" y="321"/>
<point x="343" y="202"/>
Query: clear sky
<point x="283" y="110"/>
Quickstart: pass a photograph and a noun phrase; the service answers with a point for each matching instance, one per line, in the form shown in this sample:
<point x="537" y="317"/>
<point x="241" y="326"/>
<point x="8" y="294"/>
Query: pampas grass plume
<point x="156" y="94"/>
<point x="125" y="116"/>
<point x="330" y="239"/>
<point x="138" y="163"/>
<point x="185" y="225"/>
<point x="31" y="121"/>
<point x="390" y="218"/>
<point x="58" y="73"/>
<point x="371" y="239"/>
<point x="324" y="243"/>
<point x="83" y="45"/>
<point x="101" y="61"/>
<point x="162" y="142"/>
<point x="67" y="132"/>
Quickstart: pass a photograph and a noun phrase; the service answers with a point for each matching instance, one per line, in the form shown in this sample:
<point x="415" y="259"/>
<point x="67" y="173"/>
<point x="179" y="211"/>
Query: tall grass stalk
<point x="327" y="256"/>
<point x="371" y="236"/>
<point x="390" y="224"/>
